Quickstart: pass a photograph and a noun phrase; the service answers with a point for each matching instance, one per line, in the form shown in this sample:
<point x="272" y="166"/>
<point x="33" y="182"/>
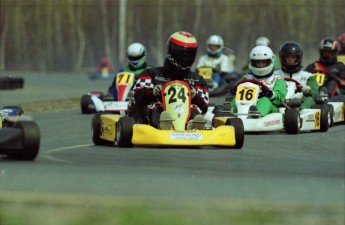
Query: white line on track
<point x="65" y="148"/>
<point x="46" y="154"/>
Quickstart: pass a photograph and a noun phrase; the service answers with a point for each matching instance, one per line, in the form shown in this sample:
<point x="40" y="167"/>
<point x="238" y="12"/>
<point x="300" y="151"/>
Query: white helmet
<point x="136" y="54"/>
<point x="262" y="41"/>
<point x="215" y="40"/>
<point x="261" y="53"/>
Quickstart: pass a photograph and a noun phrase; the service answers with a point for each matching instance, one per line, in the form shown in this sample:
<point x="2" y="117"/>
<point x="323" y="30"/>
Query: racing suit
<point x="112" y="88"/>
<point x="335" y="76"/>
<point x="149" y="78"/>
<point x="306" y="79"/>
<point x="267" y="105"/>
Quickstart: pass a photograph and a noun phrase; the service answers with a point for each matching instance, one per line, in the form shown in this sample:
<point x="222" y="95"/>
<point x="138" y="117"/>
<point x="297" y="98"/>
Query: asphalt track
<point x="307" y="168"/>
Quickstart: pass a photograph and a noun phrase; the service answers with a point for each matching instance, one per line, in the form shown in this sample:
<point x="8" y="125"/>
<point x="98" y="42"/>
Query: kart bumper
<point x="148" y="135"/>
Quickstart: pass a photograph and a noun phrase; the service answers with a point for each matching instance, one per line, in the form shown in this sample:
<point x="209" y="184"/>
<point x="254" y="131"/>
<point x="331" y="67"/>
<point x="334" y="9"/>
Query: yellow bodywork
<point x="219" y="120"/>
<point x="108" y="126"/>
<point x="148" y="135"/>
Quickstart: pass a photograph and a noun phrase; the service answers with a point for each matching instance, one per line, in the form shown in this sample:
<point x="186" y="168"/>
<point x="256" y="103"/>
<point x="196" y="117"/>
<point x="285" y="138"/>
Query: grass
<point x="47" y="209"/>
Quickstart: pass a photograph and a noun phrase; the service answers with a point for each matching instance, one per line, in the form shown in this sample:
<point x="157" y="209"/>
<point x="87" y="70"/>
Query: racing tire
<point x="239" y="131"/>
<point x="31" y="141"/>
<point x="96" y="131"/>
<point x="84" y="104"/>
<point x="19" y="110"/>
<point x="292" y="121"/>
<point x="331" y="114"/>
<point x="325" y="120"/>
<point x="124" y="131"/>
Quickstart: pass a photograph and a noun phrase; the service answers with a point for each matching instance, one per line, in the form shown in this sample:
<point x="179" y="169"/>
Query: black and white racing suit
<point x="149" y="78"/>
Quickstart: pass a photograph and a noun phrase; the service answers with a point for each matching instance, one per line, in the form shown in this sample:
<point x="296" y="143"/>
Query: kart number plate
<point x="320" y="78"/>
<point x="245" y="93"/>
<point x="206" y="73"/>
<point x="124" y="78"/>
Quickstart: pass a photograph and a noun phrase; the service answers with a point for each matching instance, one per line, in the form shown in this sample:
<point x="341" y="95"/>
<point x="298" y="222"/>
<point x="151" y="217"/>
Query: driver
<point x="136" y="54"/>
<point x="290" y="55"/>
<point x="181" y="52"/>
<point x="330" y="66"/>
<point x="223" y="65"/>
<point x="261" y="60"/>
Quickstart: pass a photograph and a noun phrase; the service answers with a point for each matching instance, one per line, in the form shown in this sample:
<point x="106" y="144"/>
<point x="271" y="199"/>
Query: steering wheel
<point x="299" y="86"/>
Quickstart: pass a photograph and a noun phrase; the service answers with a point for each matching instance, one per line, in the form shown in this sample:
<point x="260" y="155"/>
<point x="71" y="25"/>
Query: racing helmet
<point x="262" y="41"/>
<point x="181" y="50"/>
<point x="330" y="45"/>
<point x="215" y="46"/>
<point x="291" y="48"/>
<point x="262" y="54"/>
<point x="136" y="54"/>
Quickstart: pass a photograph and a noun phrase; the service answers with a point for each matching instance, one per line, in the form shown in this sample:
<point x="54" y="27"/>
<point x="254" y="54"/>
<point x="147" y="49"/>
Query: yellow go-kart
<point x="108" y="129"/>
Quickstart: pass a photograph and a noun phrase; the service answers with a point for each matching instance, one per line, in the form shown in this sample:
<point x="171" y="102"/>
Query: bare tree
<point x="122" y="31"/>
<point x="3" y="41"/>
<point x="81" y="37"/>
<point x="106" y="32"/>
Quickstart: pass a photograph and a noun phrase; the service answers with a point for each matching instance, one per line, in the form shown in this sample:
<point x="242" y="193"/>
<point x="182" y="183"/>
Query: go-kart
<point x="336" y="102"/>
<point x="289" y="117"/>
<point x="214" y="87"/>
<point x="10" y="82"/>
<point x="96" y="101"/>
<point x="329" y="81"/>
<point x="19" y="134"/>
<point x="110" y="128"/>
<point x="322" y="120"/>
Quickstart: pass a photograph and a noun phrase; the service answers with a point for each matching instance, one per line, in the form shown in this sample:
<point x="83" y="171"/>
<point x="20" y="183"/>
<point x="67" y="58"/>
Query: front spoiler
<point x="147" y="135"/>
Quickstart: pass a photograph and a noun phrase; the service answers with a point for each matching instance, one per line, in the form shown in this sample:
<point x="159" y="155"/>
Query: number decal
<point x="180" y="95"/>
<point x="124" y="78"/>
<point x="246" y="93"/>
<point x="206" y="73"/>
<point x="317" y="119"/>
<point x="320" y="78"/>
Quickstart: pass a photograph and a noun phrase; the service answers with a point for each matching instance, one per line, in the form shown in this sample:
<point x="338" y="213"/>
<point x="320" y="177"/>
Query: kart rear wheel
<point x="124" y="131"/>
<point x="292" y="121"/>
<point x="326" y="118"/>
<point x="84" y="104"/>
<point x="239" y="131"/>
<point x="31" y="141"/>
<point x="96" y="131"/>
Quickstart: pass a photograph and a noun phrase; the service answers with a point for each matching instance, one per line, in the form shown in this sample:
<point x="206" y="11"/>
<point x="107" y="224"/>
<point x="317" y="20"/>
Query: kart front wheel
<point x="291" y="121"/>
<point x="96" y="131"/>
<point x="239" y="131"/>
<point x="124" y="131"/>
<point x="84" y="104"/>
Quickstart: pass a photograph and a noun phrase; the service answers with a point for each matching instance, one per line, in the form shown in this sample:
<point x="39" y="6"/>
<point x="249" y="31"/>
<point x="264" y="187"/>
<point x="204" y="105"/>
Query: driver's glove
<point x="157" y="90"/>
<point x="305" y="89"/>
<point x="269" y="94"/>
<point x="193" y="91"/>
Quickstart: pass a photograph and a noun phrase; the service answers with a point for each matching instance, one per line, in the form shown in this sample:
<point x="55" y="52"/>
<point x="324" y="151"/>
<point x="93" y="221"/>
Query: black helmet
<point x="288" y="49"/>
<point x="182" y="49"/>
<point x="329" y="44"/>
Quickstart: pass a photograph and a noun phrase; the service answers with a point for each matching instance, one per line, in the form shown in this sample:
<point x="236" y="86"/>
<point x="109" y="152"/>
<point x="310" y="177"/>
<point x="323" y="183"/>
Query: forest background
<point x="72" y="35"/>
